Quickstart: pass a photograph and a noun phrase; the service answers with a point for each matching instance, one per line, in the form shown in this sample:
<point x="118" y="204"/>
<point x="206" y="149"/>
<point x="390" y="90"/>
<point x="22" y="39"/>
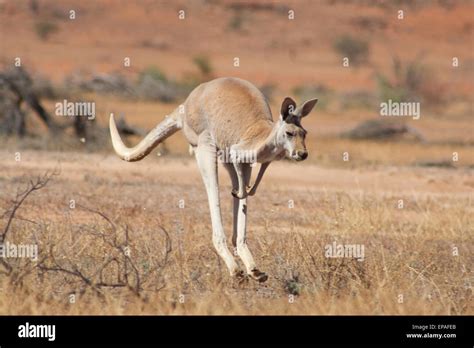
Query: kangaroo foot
<point x="259" y="276"/>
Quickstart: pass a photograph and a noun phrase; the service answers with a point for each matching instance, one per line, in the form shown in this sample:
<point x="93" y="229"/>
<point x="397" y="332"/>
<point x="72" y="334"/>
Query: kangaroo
<point x="229" y="114"/>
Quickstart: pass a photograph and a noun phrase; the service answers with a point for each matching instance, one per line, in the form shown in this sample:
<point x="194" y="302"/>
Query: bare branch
<point x="40" y="182"/>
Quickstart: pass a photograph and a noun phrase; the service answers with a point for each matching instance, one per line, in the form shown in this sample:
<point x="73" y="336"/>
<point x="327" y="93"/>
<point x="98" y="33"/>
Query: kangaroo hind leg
<point x="206" y="156"/>
<point x="239" y="236"/>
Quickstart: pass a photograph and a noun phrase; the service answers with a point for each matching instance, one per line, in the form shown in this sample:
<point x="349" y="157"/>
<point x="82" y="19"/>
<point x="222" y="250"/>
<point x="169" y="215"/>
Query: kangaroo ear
<point x="307" y="107"/>
<point x="287" y="107"/>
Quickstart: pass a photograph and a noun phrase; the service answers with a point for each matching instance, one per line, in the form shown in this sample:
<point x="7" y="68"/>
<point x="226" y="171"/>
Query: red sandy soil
<point x="271" y="48"/>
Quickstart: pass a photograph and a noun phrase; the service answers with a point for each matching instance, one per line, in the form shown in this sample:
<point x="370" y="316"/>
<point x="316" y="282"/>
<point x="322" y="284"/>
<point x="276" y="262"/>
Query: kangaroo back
<point x="231" y="109"/>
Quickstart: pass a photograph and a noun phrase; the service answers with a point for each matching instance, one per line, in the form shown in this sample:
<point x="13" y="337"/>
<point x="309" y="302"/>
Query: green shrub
<point x="154" y="73"/>
<point x="45" y="29"/>
<point x="237" y="21"/>
<point x="410" y="81"/>
<point x="204" y="65"/>
<point x="356" y="50"/>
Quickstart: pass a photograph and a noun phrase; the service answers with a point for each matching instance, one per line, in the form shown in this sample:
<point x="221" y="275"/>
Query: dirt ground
<point x="272" y="49"/>
<point x="421" y="252"/>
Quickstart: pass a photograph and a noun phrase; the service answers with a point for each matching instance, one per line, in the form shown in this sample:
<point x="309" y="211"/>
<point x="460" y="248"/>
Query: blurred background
<point x="140" y="59"/>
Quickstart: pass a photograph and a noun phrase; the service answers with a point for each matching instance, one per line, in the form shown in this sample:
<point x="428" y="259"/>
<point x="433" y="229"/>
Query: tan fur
<point x="221" y="115"/>
<point x="233" y="110"/>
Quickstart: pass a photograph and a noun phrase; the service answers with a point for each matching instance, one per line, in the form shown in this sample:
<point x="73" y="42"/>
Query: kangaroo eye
<point x="290" y="134"/>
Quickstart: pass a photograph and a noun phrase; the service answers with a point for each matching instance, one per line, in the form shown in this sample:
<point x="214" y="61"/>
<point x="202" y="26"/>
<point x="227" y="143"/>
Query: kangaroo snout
<point x="303" y="155"/>
<point x="300" y="155"/>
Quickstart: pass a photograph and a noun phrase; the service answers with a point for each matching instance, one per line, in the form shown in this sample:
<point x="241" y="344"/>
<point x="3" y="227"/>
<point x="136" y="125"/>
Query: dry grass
<point x="408" y="251"/>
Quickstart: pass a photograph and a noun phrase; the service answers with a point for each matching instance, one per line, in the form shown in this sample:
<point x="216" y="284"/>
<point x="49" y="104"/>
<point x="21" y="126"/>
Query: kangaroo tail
<point x="170" y="125"/>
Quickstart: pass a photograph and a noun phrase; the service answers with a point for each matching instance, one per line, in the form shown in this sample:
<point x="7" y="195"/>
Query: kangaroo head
<point x="290" y="133"/>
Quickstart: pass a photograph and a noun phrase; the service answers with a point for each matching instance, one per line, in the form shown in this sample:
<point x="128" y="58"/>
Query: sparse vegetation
<point x="151" y="84"/>
<point x="45" y="29"/>
<point x="237" y="21"/>
<point x="154" y="85"/>
<point x="203" y="63"/>
<point x="114" y="83"/>
<point x="410" y="81"/>
<point x="152" y="72"/>
<point x="44" y="88"/>
<point x="139" y="255"/>
<point x="357" y="50"/>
